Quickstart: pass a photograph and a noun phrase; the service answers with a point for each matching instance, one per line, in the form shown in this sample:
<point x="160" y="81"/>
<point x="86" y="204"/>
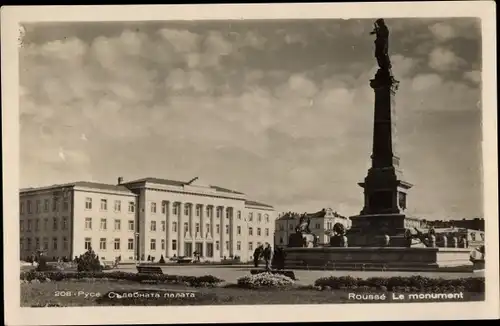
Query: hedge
<point x="195" y="281"/>
<point x="407" y="284"/>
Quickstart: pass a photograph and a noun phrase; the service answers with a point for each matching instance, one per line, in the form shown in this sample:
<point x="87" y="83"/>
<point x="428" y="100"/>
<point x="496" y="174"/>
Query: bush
<point x="405" y="284"/>
<point x="89" y="262"/>
<point x="265" y="280"/>
<point x="194" y="281"/>
<point x="162" y="260"/>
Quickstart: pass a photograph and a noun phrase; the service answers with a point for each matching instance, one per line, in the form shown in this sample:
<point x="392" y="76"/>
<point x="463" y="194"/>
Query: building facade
<point x="321" y="224"/>
<point x="144" y="218"/>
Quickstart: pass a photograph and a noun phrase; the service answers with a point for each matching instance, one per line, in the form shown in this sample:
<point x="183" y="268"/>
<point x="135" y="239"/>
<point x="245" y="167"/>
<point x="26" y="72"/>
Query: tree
<point x="89" y="262"/>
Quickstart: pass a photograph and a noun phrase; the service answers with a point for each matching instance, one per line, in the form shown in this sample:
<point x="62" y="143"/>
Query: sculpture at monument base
<point x="303" y="237"/>
<point x="339" y="238"/>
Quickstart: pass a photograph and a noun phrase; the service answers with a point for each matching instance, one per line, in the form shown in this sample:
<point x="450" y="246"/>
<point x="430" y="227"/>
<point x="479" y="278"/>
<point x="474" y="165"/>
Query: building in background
<point x="321" y="224"/>
<point x="143" y="218"/>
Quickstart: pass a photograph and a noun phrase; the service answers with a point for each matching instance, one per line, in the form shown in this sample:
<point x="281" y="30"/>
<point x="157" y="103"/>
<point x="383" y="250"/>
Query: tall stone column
<point x="191" y="231"/>
<point x="223" y="237"/>
<point x="180" y="230"/>
<point x="168" y="236"/>
<point x="212" y="224"/>
<point x="202" y="229"/>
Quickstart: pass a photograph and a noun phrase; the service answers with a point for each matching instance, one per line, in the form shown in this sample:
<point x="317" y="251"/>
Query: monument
<point x="382" y="236"/>
<point x="303" y="237"/>
<point x="385" y="190"/>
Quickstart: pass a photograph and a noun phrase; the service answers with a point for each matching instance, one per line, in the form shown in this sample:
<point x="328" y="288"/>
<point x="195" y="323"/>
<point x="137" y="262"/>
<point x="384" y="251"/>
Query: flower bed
<point x="195" y="281"/>
<point x="265" y="280"/>
<point x="404" y="284"/>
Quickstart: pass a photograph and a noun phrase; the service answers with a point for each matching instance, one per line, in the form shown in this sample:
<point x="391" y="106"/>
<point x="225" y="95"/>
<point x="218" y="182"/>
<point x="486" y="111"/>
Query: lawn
<point x="85" y="293"/>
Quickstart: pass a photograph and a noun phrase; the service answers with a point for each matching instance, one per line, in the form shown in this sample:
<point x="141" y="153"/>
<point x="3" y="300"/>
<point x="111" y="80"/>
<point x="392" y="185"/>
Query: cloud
<point x="442" y="31"/>
<point x="442" y="59"/>
<point x="474" y="76"/>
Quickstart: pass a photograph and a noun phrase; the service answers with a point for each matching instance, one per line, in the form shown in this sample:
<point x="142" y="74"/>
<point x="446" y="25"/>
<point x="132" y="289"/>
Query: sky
<point x="278" y="109"/>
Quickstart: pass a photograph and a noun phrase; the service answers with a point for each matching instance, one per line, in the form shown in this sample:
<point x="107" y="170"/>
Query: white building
<point x="141" y="218"/>
<point x="321" y="224"/>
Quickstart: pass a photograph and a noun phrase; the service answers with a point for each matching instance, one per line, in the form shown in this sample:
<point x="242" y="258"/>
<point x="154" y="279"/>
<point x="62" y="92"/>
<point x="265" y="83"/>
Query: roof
<point x="86" y="184"/>
<point x="168" y="182"/>
<point x="255" y="203"/>
<point x="319" y="214"/>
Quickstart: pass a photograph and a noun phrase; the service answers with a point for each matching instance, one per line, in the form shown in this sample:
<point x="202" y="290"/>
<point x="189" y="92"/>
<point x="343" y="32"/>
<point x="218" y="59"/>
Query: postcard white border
<point x="10" y="18"/>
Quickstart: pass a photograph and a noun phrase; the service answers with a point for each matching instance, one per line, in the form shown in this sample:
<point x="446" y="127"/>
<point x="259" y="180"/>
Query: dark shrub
<point x="162" y="260"/>
<point x="89" y="262"/>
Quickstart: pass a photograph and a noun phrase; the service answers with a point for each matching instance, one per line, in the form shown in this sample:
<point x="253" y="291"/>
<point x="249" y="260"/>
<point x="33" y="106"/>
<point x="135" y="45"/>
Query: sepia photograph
<point x="334" y="158"/>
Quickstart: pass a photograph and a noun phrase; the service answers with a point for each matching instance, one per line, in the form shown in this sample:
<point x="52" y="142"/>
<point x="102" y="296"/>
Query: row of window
<point x="55" y="224"/>
<point x="27" y="244"/>
<point x="104" y="205"/>
<point x="329" y="226"/>
<point x="103" y="243"/>
<point x="207" y="228"/>
<point x="104" y="224"/>
<point x="46" y="205"/>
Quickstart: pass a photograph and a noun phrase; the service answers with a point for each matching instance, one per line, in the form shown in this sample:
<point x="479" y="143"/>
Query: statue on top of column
<point x="382" y="44"/>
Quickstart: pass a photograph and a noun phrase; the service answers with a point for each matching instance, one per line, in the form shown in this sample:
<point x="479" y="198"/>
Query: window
<point x="21" y="244"/>
<point x="318" y="226"/>
<point x="281" y="227"/>
<point x="28" y="244"/>
<point x="152" y="245"/>
<point x="117" y="244"/>
<point x="28" y="203"/>
<point x="186" y="209"/>
<point x="163" y="227"/>
<point x="209" y="211"/>
<point x="153" y="207"/>
<point x="104" y="204"/>
<point x="65" y="204"/>
<point x="329" y="225"/>
<point x="176" y="209"/>
<point x="217" y="245"/>
<point x="207" y="227"/>
<point x="21" y="226"/>
<point x="153" y="226"/>
<point x="45" y="244"/>
<point x="238" y="230"/>
<point x="46" y="205"/>
<point x="258" y="231"/>
<point x="102" y="243"/>
<point x="210" y="249"/>
<point x="238" y="245"/>
<point x="37" y="243"/>
<point x="218" y="213"/>
<point x="250" y="231"/>
<point x="162" y="244"/>
<point x="250" y="217"/>
<point x="45" y="224"/>
<point x="37" y="225"/>
<point x="174" y="244"/>
<point x="266" y="217"/>
<point x="65" y="223"/>
<point x="238" y="215"/>
<point x="131" y="207"/>
<point x="104" y="224"/>
<point x="29" y="225"/>
<point x="54" y="223"/>
<point x="259" y="217"/>
<point x="228" y="213"/>
<point x="186" y="227"/>
<point x="55" y="204"/>
<point x="217" y="228"/>
<point x="227" y="245"/>
<point x="88" y="244"/>
<point x="65" y="243"/>
<point x="21" y="208"/>
<point x="118" y="206"/>
<point x="88" y="223"/>
<point x="130" y="244"/>
<point x="38" y="206"/>
<point x="88" y="203"/>
<point x="164" y="208"/>
<point x="291" y="226"/>
<point x="118" y="225"/>
<point x="227" y="228"/>
<point x="267" y="232"/>
<point x="281" y="239"/>
<point x="197" y="227"/>
<point x="130" y="225"/>
<point x="198" y="210"/>
<point x="174" y="226"/>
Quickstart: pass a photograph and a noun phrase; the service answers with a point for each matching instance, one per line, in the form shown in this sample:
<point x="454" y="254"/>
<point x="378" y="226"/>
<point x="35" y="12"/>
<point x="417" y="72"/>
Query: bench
<point x="289" y="274"/>
<point x="149" y="270"/>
